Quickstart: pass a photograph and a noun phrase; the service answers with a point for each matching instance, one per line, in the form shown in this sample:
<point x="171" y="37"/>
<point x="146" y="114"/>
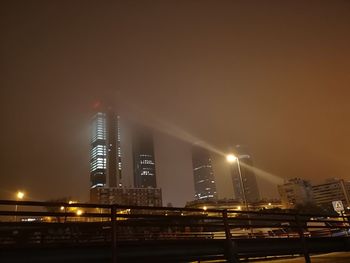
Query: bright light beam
<point x="151" y="120"/>
<point x="264" y="175"/>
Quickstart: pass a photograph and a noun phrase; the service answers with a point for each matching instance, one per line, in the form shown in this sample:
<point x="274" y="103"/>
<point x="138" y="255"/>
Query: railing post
<point x="303" y="240"/>
<point x="114" y="233"/>
<point x="343" y="216"/>
<point x="231" y="247"/>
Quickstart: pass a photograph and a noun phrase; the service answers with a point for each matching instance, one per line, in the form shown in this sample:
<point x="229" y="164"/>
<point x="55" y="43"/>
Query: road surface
<point x="337" y="257"/>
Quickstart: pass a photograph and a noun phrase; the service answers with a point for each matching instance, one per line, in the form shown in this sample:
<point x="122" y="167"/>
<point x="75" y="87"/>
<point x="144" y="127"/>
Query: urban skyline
<point x="175" y="130"/>
<point x="270" y="76"/>
<point x="106" y="163"/>
<point x="107" y="122"/>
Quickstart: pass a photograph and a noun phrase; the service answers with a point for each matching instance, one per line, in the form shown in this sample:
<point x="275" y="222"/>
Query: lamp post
<point x="19" y="196"/>
<point x="231" y="158"/>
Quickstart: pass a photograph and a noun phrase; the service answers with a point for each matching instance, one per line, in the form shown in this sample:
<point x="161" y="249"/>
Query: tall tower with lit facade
<point x="250" y="184"/>
<point x="105" y="151"/>
<point x="203" y="175"/>
<point x="143" y="158"/>
<point x="106" y="163"/>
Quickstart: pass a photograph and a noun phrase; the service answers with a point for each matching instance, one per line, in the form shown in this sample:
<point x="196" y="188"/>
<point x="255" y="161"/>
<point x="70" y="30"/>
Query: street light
<point x="19" y="196"/>
<point x="79" y="212"/>
<point x="231" y="158"/>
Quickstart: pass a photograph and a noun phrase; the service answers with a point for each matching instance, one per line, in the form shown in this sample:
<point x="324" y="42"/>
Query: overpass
<point x="76" y="232"/>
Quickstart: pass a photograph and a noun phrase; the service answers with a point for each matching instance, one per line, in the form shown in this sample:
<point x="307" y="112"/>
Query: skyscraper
<point x="250" y="184"/>
<point x="105" y="152"/>
<point x="143" y="158"/>
<point x="106" y="163"/>
<point x="203" y="175"/>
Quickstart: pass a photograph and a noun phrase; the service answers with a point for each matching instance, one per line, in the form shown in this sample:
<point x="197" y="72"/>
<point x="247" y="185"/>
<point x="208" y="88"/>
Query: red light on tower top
<point x="96" y="104"/>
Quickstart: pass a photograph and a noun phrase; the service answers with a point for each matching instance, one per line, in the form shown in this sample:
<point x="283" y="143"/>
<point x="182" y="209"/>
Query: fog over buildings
<point x="272" y="76"/>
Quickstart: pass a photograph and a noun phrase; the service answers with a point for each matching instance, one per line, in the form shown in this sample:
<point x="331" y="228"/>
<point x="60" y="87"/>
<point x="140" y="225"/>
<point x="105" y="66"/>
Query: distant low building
<point x="332" y="190"/>
<point x="127" y="196"/>
<point x="295" y="192"/>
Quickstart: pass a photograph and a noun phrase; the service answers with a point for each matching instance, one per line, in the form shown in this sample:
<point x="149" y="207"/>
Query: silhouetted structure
<point x="143" y="158"/>
<point x="295" y="192"/>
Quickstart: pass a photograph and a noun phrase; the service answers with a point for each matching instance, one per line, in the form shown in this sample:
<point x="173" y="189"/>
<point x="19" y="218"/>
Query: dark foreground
<point x="337" y="257"/>
<point x="113" y="233"/>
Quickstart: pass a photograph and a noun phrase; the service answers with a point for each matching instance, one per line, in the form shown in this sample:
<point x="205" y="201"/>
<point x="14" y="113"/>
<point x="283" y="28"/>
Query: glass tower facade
<point x="204" y="183"/>
<point x="98" y="152"/>
<point x="105" y="153"/>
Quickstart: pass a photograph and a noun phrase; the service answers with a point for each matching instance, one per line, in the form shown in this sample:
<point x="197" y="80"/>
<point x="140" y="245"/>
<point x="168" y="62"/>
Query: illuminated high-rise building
<point x="250" y="185"/>
<point x="143" y="157"/>
<point x="106" y="163"/>
<point x="203" y="175"/>
<point x="105" y="153"/>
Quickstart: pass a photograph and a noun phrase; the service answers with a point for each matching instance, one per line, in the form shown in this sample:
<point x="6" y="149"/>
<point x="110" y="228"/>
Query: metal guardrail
<point x="49" y="224"/>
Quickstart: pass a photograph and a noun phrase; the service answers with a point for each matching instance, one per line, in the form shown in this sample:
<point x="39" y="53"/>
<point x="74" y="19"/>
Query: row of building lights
<point x="20" y="196"/>
<point x="231" y="158"/>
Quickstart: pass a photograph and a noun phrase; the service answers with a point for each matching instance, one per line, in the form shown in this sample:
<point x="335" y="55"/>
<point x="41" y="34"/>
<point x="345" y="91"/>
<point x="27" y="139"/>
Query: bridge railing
<point x="38" y="224"/>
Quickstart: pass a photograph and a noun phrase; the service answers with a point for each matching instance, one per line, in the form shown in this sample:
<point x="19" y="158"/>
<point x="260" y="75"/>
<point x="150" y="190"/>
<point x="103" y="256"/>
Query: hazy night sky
<point x="273" y="75"/>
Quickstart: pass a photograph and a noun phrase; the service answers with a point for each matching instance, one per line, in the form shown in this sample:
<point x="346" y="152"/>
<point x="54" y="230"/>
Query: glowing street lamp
<point x="79" y="212"/>
<point x="19" y="196"/>
<point x="204" y="209"/>
<point x="231" y="158"/>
